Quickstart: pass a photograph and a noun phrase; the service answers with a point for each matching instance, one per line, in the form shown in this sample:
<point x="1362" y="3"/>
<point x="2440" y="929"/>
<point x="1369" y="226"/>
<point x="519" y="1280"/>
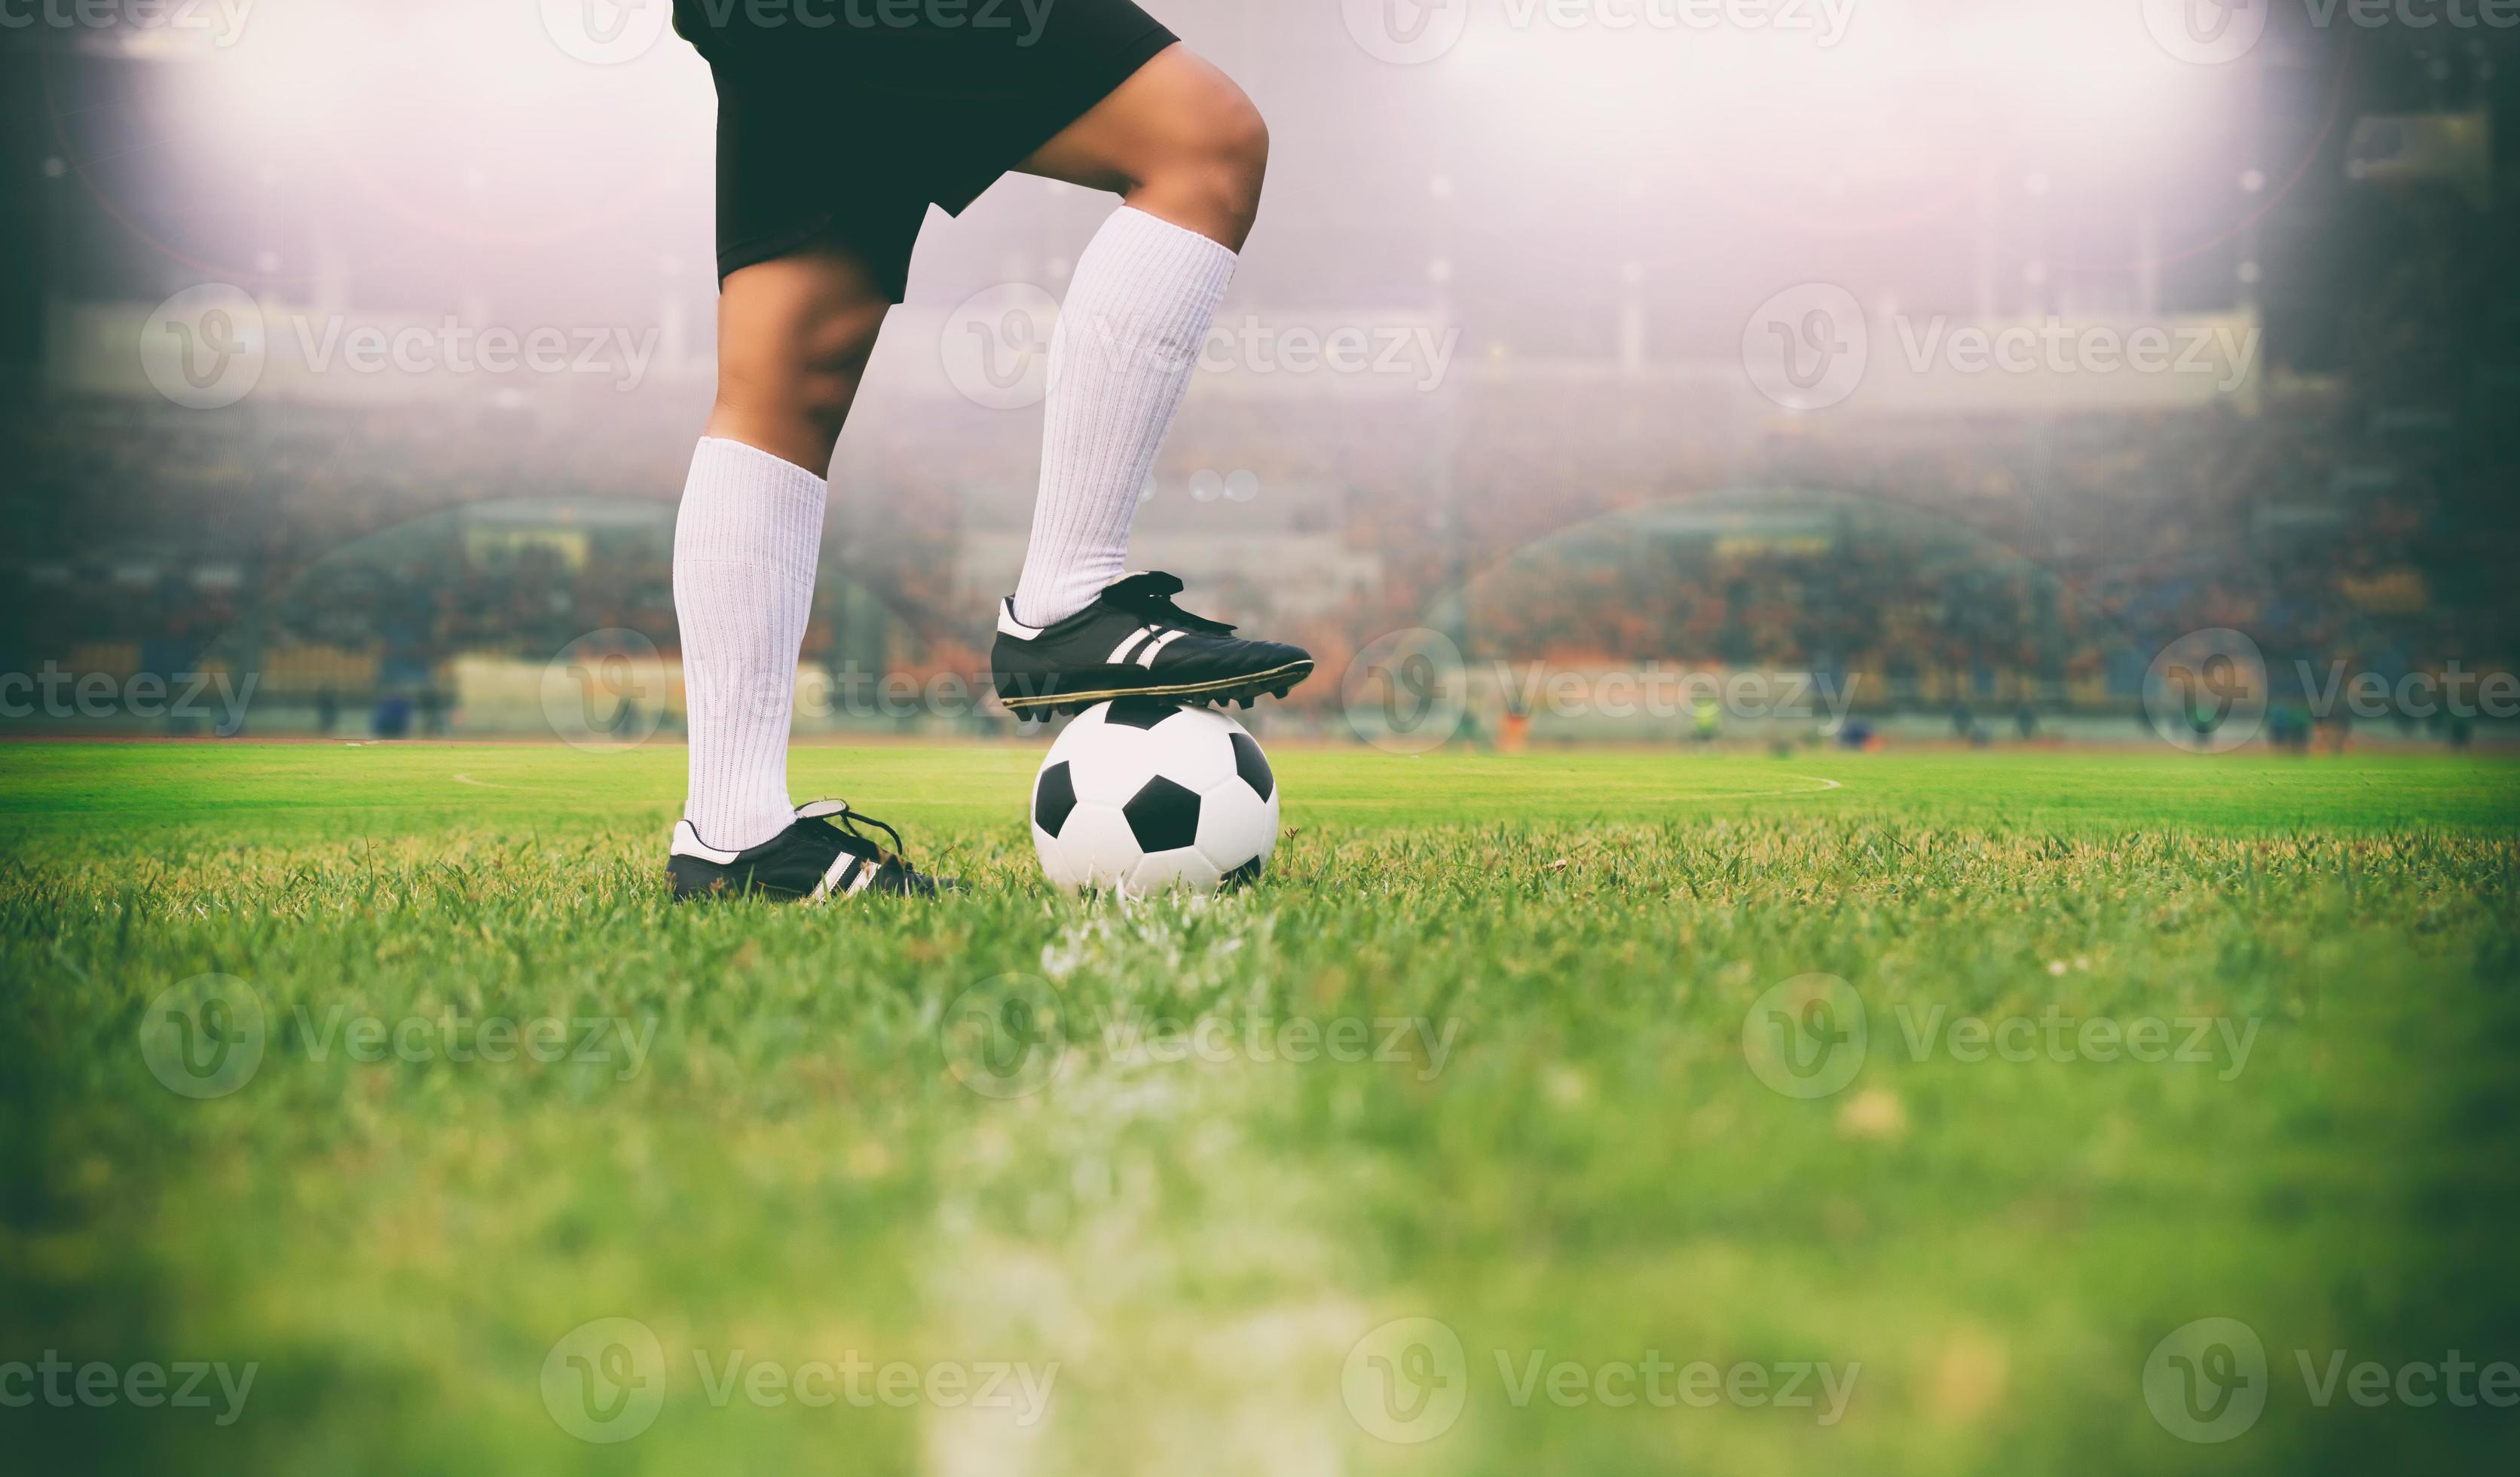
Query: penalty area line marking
<point x="463" y="779"/>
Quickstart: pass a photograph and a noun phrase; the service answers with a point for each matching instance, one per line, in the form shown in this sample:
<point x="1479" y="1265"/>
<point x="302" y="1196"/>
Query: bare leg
<point x="793" y="335"/>
<point x="1178" y="140"/>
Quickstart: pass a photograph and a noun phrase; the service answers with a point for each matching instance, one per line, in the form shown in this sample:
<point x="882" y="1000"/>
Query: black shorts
<point x="841" y="121"/>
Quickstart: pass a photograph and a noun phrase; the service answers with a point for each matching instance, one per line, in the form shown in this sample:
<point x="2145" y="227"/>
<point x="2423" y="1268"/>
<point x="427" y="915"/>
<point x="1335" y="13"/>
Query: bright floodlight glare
<point x="2076" y="76"/>
<point x="464" y="111"/>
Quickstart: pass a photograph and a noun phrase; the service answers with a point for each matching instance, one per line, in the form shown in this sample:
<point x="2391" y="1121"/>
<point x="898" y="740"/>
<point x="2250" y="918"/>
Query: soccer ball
<point x="1141" y="794"/>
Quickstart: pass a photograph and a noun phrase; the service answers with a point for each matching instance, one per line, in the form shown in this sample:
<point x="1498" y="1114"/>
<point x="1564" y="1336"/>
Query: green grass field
<point x="1565" y="1185"/>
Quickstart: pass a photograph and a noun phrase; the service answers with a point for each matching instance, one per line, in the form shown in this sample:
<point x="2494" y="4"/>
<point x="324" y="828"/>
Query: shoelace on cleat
<point x="849" y="820"/>
<point x="1149" y="597"/>
<point x="892" y="857"/>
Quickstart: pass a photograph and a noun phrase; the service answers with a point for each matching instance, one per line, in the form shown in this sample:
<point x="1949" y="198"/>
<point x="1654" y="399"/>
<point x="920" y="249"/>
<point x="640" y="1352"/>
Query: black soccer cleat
<point x="1133" y="641"/>
<point x="810" y="862"/>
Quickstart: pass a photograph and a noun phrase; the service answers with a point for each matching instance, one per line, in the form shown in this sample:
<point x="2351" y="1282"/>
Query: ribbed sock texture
<point x="1137" y="313"/>
<point x="746" y="544"/>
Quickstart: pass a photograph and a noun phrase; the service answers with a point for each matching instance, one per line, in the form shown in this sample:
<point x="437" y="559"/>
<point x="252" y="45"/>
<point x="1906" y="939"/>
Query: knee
<point x="1224" y="160"/>
<point x="1238" y="143"/>
<point x="1237" y="146"/>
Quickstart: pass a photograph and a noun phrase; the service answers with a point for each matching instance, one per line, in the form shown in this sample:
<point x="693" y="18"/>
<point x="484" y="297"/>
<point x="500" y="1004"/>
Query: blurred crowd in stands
<point x="1586" y="522"/>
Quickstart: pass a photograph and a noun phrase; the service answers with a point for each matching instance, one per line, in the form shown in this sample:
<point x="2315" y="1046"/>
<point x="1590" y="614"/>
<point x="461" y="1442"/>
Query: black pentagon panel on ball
<point x="1053" y="797"/>
<point x="1140" y="713"/>
<point x="1163" y="816"/>
<point x="1252" y="765"/>
<point x="1243" y="876"/>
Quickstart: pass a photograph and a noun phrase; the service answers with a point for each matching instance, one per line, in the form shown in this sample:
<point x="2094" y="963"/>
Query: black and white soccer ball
<point x="1141" y="794"/>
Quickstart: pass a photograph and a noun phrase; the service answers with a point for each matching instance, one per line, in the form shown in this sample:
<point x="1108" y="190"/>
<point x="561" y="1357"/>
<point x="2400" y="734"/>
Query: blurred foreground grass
<point x="1439" y="1152"/>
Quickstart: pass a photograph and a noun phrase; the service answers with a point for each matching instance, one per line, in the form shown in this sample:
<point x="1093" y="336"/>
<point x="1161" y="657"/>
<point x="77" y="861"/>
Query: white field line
<point x="1241" y="1384"/>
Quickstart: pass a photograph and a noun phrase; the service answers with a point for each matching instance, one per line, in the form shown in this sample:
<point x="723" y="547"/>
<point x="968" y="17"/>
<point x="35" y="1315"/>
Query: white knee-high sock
<point x="746" y="544"/>
<point x="1138" y="310"/>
